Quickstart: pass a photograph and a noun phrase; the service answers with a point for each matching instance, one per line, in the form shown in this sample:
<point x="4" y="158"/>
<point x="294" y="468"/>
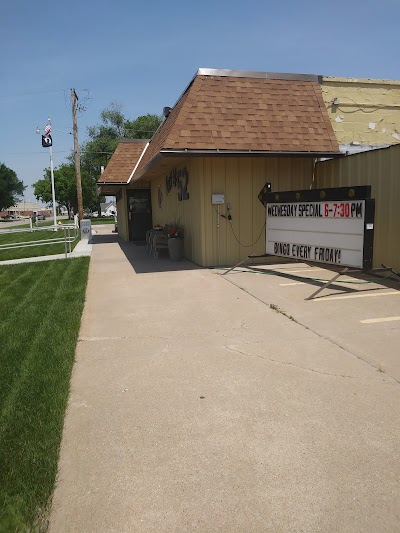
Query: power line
<point x="33" y="93"/>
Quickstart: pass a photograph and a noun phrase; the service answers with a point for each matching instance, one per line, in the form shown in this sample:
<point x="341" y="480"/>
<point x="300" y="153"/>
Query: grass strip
<point x="38" y="358"/>
<point x="102" y="220"/>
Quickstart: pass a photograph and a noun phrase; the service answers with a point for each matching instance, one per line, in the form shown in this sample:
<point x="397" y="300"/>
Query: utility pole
<point x="74" y="98"/>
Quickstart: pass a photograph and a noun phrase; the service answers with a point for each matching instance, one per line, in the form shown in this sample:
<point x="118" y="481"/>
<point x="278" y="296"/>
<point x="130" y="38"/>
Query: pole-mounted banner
<point x="47" y="140"/>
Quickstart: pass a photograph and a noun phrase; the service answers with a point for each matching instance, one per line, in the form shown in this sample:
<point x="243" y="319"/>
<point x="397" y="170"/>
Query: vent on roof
<point x="166" y="111"/>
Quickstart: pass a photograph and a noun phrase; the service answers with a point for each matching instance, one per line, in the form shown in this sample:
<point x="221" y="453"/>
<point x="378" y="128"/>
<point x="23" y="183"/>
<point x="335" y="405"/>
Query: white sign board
<point x="324" y="232"/>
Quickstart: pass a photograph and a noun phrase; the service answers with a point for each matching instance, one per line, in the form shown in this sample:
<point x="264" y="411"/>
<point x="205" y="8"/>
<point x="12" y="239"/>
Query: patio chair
<point x="159" y="241"/>
<point x="149" y="238"/>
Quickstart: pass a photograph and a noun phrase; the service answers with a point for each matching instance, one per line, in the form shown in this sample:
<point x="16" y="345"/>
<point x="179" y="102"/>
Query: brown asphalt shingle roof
<point x="246" y="113"/>
<point x="123" y="161"/>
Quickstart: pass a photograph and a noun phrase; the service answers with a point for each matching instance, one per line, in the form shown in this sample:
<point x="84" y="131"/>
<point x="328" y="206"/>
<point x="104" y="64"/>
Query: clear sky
<point x="143" y="54"/>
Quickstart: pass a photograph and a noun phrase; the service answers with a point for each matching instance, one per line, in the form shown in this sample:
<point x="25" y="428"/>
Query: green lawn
<point x="102" y="220"/>
<point x="33" y="251"/>
<point x="41" y="307"/>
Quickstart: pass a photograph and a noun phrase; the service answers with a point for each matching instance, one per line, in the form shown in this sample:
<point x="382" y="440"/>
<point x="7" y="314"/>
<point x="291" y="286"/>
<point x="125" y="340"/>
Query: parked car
<point x="39" y="216"/>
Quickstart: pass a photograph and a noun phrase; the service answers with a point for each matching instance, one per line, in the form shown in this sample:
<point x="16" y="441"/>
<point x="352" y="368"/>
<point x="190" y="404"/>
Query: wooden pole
<point x="74" y="98"/>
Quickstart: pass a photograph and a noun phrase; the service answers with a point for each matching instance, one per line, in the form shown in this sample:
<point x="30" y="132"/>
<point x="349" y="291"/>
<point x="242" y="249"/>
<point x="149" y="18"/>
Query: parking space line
<point x="375" y="320"/>
<point x="302" y="270"/>
<point x="348" y="296"/>
<point x="293" y="283"/>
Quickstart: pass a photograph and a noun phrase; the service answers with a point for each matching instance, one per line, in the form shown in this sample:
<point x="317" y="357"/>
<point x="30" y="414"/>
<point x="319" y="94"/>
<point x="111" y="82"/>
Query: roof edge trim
<point x="138" y="161"/>
<point x="111" y="183"/>
<point x="256" y="74"/>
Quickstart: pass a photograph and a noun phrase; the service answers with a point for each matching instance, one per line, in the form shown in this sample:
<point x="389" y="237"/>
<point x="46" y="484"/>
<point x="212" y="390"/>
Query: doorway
<point x="139" y="213"/>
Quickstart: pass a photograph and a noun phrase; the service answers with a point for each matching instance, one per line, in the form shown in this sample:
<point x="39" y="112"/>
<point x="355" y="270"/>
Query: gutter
<point x="111" y="183"/>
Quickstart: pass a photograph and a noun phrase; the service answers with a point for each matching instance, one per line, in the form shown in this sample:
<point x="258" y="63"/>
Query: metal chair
<point x="159" y="241"/>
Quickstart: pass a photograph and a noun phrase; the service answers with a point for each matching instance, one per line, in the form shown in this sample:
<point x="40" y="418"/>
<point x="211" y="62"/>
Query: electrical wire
<point x="33" y="93"/>
<point x="246" y="245"/>
<point x="234" y="234"/>
<point x="360" y="106"/>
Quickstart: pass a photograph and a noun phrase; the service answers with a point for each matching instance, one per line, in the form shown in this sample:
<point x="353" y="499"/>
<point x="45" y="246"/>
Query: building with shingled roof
<point x="229" y="133"/>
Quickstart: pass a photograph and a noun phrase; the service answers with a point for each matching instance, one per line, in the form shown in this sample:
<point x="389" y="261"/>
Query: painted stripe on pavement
<point x="297" y="271"/>
<point x="347" y="297"/>
<point x="375" y="320"/>
<point x="293" y="283"/>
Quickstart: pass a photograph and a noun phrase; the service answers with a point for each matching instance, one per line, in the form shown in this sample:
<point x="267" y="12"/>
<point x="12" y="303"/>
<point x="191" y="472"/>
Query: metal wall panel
<point x="381" y="170"/>
<point x="240" y="180"/>
<point x="122" y="214"/>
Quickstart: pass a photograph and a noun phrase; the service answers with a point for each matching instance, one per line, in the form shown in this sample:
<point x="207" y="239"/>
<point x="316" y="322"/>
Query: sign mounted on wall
<point x="180" y="180"/>
<point x="334" y="226"/>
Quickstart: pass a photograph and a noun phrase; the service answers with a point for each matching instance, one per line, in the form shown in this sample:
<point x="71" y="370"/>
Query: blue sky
<point x="143" y="54"/>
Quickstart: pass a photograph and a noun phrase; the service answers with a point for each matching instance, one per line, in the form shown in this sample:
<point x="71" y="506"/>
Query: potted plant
<point x="175" y="243"/>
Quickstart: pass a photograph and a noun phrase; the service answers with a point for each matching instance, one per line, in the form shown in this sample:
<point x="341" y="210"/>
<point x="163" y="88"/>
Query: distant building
<point x="26" y="209"/>
<point x="108" y="209"/>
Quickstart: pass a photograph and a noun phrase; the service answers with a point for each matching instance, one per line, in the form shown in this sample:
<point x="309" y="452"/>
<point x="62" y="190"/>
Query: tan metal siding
<point x="241" y="180"/>
<point x="381" y="170"/>
<point x="186" y="213"/>
<point x="122" y="213"/>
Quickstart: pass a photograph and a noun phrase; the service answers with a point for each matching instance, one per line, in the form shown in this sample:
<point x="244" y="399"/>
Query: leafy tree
<point x="95" y="153"/>
<point x="104" y="138"/>
<point x="143" y="127"/>
<point x="65" y="188"/>
<point x="11" y="188"/>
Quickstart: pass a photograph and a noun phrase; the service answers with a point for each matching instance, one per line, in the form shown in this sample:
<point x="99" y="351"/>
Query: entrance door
<point x="139" y="213"/>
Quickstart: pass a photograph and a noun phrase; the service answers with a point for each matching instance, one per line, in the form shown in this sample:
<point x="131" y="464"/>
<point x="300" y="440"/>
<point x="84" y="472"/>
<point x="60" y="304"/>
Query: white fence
<point x="66" y="234"/>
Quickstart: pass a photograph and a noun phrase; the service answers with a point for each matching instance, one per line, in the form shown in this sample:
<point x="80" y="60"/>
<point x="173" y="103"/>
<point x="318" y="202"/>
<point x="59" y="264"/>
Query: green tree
<point x="95" y="153"/>
<point x="65" y="188"/>
<point x="143" y="127"/>
<point x="11" y="188"/>
<point x="104" y="138"/>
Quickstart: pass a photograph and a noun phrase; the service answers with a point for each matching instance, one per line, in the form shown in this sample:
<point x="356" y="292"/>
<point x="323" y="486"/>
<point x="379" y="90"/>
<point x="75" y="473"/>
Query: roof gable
<point x="123" y="161"/>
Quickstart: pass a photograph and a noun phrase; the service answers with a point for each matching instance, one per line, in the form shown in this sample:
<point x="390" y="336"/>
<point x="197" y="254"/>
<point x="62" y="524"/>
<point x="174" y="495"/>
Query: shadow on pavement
<point x="360" y="279"/>
<point x="139" y="258"/>
<point x="143" y="263"/>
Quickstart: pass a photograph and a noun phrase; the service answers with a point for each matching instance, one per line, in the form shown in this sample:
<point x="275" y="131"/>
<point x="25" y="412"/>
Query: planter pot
<point x="175" y="248"/>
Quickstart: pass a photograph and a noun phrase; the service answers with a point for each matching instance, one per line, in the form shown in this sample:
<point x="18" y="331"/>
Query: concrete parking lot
<point x="210" y="403"/>
<point x="359" y="313"/>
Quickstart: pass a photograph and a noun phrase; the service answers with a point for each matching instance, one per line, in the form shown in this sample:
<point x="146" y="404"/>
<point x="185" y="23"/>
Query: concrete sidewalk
<point x="196" y="407"/>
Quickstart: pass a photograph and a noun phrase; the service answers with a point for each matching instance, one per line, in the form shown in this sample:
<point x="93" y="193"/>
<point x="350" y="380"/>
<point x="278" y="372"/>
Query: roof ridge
<point x="192" y="92"/>
<point x="326" y="121"/>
